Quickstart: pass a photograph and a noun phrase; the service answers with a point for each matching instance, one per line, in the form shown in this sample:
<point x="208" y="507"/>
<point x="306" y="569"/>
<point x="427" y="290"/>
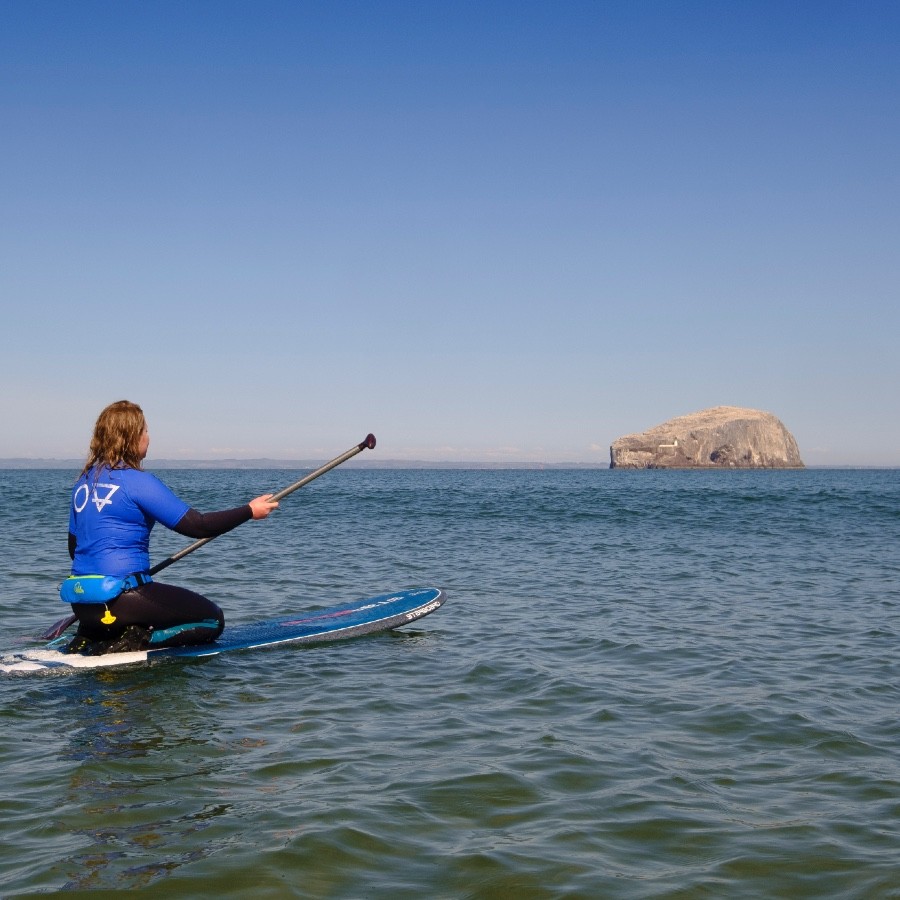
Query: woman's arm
<point x="205" y="525"/>
<point x="196" y="524"/>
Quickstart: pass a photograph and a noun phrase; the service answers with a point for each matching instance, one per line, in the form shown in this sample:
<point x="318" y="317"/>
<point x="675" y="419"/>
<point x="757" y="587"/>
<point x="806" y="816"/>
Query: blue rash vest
<point x="112" y="514"/>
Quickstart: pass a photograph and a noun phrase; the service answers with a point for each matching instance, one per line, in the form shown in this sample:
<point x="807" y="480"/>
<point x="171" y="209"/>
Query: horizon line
<point x="26" y="462"/>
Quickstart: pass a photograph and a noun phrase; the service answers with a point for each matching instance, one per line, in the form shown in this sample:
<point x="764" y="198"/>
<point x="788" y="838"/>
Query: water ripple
<point x="643" y="685"/>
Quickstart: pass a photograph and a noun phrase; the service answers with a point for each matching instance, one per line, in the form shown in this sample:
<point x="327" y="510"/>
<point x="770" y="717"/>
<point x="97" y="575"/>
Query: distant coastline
<point x="262" y="463"/>
<point x="151" y="464"/>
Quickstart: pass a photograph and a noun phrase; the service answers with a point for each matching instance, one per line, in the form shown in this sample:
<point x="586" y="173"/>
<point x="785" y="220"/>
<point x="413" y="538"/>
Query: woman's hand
<point x="263" y="505"/>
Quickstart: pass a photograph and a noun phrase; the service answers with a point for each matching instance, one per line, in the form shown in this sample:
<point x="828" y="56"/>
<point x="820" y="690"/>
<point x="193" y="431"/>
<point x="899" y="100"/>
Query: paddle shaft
<point x="368" y="443"/>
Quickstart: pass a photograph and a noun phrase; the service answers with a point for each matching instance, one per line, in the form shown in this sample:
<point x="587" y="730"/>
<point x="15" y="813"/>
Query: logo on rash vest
<point x="80" y="501"/>
<point x="99" y="501"/>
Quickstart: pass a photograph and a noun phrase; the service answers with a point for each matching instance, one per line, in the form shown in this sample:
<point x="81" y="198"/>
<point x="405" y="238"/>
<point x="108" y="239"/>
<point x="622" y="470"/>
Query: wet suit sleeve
<point x="204" y="525"/>
<point x="72" y="545"/>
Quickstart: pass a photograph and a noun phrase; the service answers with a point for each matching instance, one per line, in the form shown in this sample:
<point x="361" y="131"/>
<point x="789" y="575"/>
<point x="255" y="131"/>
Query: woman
<point x="115" y="504"/>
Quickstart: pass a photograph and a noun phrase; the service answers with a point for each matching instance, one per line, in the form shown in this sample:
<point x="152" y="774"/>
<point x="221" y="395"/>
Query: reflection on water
<point x="122" y="810"/>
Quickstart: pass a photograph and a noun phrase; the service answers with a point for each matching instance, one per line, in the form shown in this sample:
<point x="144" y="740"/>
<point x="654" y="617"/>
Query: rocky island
<point x="724" y="437"/>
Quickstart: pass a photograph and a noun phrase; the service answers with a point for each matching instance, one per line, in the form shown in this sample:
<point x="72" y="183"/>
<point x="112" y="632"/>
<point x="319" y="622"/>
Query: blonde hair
<point x="117" y="435"/>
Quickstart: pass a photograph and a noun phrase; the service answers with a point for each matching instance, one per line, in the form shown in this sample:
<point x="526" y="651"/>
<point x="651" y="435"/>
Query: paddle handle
<point x="367" y="444"/>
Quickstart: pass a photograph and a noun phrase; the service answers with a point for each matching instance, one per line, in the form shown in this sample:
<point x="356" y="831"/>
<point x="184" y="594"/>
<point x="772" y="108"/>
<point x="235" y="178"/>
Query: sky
<point x="483" y="231"/>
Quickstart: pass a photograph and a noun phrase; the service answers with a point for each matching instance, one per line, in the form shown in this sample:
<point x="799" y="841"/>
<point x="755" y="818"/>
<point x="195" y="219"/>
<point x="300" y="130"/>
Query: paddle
<point x="368" y="444"/>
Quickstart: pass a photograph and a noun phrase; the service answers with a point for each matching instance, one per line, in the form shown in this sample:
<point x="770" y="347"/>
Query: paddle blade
<point x="54" y="631"/>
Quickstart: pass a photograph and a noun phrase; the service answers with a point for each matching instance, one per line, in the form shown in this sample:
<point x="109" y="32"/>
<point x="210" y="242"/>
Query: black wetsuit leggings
<point x="164" y="605"/>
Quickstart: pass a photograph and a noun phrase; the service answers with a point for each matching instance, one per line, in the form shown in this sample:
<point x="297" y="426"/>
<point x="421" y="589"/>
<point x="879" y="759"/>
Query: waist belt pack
<point x="99" y="588"/>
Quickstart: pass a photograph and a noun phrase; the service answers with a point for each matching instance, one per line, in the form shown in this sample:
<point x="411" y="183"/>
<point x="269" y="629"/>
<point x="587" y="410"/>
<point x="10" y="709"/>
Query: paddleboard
<point x="336" y="623"/>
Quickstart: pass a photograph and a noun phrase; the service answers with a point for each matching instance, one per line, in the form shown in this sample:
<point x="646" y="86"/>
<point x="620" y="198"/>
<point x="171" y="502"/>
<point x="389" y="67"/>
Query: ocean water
<point x="643" y="684"/>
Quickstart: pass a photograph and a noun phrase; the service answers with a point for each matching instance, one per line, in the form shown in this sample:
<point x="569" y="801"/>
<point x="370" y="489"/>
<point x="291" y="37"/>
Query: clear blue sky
<point x="481" y="230"/>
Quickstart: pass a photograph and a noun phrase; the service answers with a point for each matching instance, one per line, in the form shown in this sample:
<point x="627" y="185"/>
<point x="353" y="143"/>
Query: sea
<point x="643" y="684"/>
